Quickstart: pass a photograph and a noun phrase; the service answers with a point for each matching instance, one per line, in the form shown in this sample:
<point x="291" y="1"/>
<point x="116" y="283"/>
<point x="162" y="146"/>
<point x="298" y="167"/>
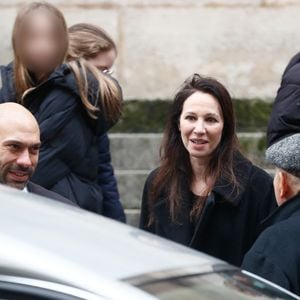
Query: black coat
<point x="285" y="116"/>
<point x="112" y="206"/>
<point x="276" y="253"/>
<point x="68" y="163"/>
<point x="228" y="225"/>
<point x="39" y="190"/>
<point x="7" y="88"/>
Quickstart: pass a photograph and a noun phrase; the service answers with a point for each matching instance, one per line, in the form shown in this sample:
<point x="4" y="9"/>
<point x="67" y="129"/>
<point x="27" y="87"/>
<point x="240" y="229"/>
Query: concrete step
<point x="135" y="151"/>
<point x="133" y="217"/>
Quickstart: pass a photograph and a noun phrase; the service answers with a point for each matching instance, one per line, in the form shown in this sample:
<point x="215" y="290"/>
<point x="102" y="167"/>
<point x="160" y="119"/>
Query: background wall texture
<point x="244" y="43"/>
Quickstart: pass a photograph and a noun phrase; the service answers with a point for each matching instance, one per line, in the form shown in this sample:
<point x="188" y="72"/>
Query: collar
<point x="242" y="168"/>
<point x="285" y="211"/>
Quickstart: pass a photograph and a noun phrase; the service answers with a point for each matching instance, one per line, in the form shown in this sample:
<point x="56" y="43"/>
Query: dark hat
<point x="285" y="154"/>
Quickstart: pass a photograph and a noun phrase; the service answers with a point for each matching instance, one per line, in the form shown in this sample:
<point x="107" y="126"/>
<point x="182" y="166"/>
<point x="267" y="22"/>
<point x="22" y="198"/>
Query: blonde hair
<point x="22" y="79"/>
<point x="110" y="92"/>
<point x="86" y="41"/>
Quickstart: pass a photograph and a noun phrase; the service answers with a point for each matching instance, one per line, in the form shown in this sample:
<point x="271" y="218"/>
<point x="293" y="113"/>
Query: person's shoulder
<point x="270" y="239"/>
<point x="7" y="68"/>
<point x="258" y="174"/>
<point x="65" y="76"/>
<point x="245" y="169"/>
<point x="291" y="73"/>
<point x="41" y="191"/>
<point x="54" y="95"/>
<point x="151" y="176"/>
<point x="7" y="90"/>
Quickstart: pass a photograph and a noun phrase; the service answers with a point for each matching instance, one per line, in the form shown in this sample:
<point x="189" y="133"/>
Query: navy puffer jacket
<point x="69" y="155"/>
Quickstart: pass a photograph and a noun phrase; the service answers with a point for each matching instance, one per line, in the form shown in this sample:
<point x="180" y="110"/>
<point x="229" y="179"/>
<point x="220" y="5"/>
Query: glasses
<point x="108" y="71"/>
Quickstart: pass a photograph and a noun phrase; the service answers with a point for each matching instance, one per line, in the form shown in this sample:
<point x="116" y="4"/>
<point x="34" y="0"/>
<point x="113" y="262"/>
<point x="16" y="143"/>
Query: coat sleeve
<point x="145" y="211"/>
<point x="112" y="206"/>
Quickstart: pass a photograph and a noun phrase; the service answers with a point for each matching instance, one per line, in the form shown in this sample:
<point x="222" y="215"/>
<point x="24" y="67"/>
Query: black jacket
<point x="276" y="253"/>
<point x="228" y="226"/>
<point x="68" y="163"/>
<point x="112" y="206"/>
<point x="7" y="88"/>
<point x="39" y="190"/>
<point x="285" y="116"/>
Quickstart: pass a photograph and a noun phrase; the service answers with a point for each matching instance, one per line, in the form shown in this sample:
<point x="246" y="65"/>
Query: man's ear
<point x="283" y="185"/>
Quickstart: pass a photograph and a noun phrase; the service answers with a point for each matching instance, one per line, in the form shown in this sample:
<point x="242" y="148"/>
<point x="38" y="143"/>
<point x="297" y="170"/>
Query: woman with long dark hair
<point x="205" y="193"/>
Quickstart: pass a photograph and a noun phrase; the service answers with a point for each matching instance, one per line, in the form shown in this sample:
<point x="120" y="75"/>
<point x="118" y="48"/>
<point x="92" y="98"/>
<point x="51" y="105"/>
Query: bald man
<point x="19" y="150"/>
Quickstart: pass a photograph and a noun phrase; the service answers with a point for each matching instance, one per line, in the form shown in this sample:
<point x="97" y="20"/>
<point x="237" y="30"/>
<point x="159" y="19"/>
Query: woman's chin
<point x="200" y="154"/>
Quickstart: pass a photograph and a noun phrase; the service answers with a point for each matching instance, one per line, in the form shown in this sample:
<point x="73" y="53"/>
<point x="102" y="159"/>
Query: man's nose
<point x="24" y="159"/>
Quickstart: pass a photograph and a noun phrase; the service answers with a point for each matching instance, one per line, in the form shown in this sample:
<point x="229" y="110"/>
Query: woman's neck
<point x="39" y="77"/>
<point x="199" y="167"/>
<point x="201" y="184"/>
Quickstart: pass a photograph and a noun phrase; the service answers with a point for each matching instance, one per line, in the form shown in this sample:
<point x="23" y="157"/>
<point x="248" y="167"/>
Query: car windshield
<point x="231" y="285"/>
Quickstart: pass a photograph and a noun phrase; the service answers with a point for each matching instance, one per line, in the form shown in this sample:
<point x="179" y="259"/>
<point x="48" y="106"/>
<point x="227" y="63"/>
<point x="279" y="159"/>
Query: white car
<point x="50" y="250"/>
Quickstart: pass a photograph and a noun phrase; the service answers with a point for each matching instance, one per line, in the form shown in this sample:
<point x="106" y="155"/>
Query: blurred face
<point x="201" y="125"/>
<point x="19" y="153"/>
<point x="41" y="43"/>
<point x="104" y="60"/>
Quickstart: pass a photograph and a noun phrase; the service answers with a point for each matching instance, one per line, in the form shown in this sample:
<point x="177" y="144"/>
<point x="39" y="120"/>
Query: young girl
<point x="74" y="103"/>
<point x="94" y="45"/>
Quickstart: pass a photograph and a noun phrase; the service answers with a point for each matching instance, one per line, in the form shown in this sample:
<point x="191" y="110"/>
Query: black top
<point x="276" y="253"/>
<point x="229" y="224"/>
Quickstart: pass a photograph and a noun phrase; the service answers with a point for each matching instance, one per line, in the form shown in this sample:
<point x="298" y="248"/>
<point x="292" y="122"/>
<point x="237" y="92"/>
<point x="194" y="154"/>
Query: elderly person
<point x="276" y="254"/>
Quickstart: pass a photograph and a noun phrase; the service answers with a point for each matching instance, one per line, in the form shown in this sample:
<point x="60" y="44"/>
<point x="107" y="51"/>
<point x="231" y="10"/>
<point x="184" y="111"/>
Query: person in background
<point x="73" y="103"/>
<point x="205" y="194"/>
<point x="19" y="150"/>
<point x="276" y="253"/>
<point x="285" y="116"/>
<point x="97" y="47"/>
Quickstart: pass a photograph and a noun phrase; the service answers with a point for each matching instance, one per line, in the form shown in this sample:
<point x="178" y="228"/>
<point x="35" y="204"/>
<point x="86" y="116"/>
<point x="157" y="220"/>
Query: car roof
<point x="43" y="238"/>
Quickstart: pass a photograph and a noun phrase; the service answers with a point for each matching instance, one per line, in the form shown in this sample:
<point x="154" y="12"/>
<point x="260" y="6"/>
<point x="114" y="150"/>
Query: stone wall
<point x="244" y="43"/>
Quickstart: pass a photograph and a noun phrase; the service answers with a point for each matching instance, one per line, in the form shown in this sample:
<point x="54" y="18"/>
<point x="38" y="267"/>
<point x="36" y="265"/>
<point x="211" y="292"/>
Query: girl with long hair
<point x="95" y="46"/>
<point x="72" y="101"/>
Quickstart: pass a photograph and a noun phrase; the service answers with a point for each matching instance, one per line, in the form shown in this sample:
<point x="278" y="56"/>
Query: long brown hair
<point x="175" y="172"/>
<point x="22" y="78"/>
<point x="86" y="41"/>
